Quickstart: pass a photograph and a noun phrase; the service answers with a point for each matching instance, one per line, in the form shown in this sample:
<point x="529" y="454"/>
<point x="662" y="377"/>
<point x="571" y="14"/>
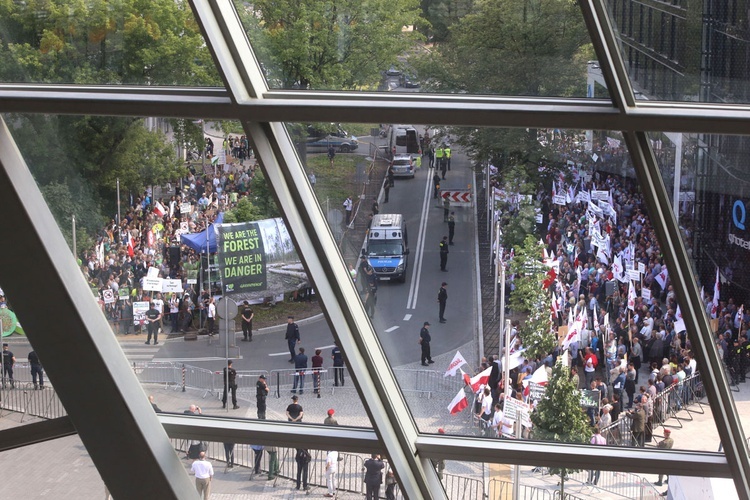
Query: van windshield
<point x="384" y="248"/>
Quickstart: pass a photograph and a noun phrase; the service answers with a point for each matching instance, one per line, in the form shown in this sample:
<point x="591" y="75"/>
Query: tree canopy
<point x="328" y="44"/>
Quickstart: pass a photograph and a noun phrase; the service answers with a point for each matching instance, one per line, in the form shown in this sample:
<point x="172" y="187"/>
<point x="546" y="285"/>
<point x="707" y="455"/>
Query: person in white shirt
<point x="332" y="460"/>
<point x="497" y="419"/>
<point x="597" y="439"/>
<point x="211" y="315"/>
<point x="204" y="472"/>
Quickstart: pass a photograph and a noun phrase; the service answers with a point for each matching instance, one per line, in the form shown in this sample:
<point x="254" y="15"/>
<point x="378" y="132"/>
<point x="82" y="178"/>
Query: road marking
<point x="326" y="347"/>
<point x="407" y="317"/>
<point x="279" y="353"/>
<point x="391" y="329"/>
<point x="411" y="302"/>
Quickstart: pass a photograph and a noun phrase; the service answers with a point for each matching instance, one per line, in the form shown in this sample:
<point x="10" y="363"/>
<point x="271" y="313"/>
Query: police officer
<point x="451" y="227"/>
<point x="424" y="341"/>
<point x="436" y="185"/>
<point x="8" y="361"/>
<point x="446" y="207"/>
<point x="261" y="392"/>
<point x="439" y="154"/>
<point x="443" y="253"/>
<point x="735" y="364"/>
<point x="447" y="154"/>
<point x="247" y="322"/>
<point x="36" y="370"/>
<point x="230" y="378"/>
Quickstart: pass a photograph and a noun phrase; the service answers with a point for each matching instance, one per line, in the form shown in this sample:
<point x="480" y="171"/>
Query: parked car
<point x="340" y="144"/>
<point x="403" y="166"/>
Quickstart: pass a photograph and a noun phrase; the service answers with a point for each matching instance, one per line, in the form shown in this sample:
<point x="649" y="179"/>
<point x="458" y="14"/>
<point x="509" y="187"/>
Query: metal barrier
<point x="246" y="380"/>
<point x="498" y="489"/>
<point x="618" y="433"/>
<point x="283" y="380"/>
<point x="199" y="378"/>
<point x="24" y="399"/>
<point x="426" y="382"/>
<point x="350" y="473"/>
<point x="623" y="484"/>
<point x="166" y="373"/>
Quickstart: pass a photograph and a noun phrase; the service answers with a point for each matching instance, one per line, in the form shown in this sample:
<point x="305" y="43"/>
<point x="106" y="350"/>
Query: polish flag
<point x="465" y="376"/>
<point x="457" y="362"/>
<point x="631" y="297"/>
<point x="131" y="245"/>
<point x="459" y="402"/>
<point x="540" y="376"/>
<point x="555" y="305"/>
<point x="480" y="379"/>
<point x="159" y="209"/>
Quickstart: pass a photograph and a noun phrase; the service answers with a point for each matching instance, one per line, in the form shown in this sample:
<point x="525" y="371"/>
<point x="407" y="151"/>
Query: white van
<point x="402" y="139"/>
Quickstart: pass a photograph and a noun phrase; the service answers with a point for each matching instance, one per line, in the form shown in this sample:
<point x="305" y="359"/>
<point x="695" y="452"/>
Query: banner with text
<point x="241" y="257"/>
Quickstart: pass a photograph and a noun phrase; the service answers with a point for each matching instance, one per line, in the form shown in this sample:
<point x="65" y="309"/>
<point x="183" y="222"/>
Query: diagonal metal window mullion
<point x="91" y="375"/>
<point x="375" y="382"/>
<point x="667" y="230"/>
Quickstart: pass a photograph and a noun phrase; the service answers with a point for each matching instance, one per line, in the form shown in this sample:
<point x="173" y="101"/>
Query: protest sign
<point x="241" y="257"/>
<point x="139" y="312"/>
<point x="152" y="284"/>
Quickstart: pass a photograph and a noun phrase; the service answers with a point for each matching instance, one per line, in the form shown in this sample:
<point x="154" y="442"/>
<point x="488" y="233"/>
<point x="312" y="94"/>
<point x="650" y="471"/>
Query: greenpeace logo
<point x="734" y="240"/>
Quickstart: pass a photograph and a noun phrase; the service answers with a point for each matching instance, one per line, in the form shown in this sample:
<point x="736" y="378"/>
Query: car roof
<point x="402" y="156"/>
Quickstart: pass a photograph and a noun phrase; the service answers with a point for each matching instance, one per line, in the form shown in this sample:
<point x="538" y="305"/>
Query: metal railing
<point x="498" y="489"/>
<point x="426" y="383"/>
<point x="24" y="399"/>
<point x="299" y="380"/>
<point x="624" y="484"/>
<point x="350" y="473"/>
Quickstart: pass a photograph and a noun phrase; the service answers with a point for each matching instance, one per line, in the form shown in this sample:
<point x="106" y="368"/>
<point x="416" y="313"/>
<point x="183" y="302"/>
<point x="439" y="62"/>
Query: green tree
<point x="245" y="211"/>
<point x="558" y="416"/>
<point x="440" y="15"/>
<point x="328" y="44"/>
<point x="531" y="299"/>
<point x="263" y="197"/>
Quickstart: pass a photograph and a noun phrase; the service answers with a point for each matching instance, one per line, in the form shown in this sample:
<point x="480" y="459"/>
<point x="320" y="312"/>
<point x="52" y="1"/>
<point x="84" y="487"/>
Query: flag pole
<point x="506" y="359"/>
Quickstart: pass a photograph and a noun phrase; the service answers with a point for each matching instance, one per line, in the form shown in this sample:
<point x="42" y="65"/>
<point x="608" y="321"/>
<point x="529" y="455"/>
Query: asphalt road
<point x="401" y="309"/>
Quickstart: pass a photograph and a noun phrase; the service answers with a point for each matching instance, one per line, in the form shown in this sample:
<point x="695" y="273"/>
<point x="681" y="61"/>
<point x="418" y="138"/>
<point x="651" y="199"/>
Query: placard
<point x="192" y="281"/>
<point x="109" y="296"/>
<point x="171" y="286"/>
<point x="124" y="292"/>
<point x="139" y="312"/>
<point x="633" y="275"/>
<point x="515" y="410"/>
<point x="642" y="268"/>
<point x="185" y="208"/>
<point x="600" y="195"/>
<point x="242" y="257"/>
<point x="559" y="199"/>
<point x="536" y="391"/>
<point x="589" y="398"/>
<point x="153" y="272"/>
<point x="185" y="227"/>
<point x="152" y="284"/>
<point x="646" y="293"/>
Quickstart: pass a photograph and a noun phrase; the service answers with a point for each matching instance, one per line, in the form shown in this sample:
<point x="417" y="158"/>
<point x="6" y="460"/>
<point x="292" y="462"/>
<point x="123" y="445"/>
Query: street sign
<point x="226" y="308"/>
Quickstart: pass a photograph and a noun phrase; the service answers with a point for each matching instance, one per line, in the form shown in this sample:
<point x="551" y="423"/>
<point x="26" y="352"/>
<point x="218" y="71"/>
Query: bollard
<point x="183" y="377"/>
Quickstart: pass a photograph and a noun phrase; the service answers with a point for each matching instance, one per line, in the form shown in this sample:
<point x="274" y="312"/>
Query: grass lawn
<point x="337" y="182"/>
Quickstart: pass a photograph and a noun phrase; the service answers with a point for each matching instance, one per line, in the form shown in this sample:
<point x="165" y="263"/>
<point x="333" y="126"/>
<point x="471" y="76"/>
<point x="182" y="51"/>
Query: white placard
<point x="139" y="312"/>
<point x="642" y="268"/>
<point x="192" y="281"/>
<point x="538" y="218"/>
<point x="153" y="272"/>
<point x="559" y="199"/>
<point x="185" y="227"/>
<point x="171" y="286"/>
<point x="632" y="275"/>
<point x="600" y="195"/>
<point x="152" y="284"/>
<point x="185" y="208"/>
<point x="108" y="295"/>
<point x="646" y="293"/>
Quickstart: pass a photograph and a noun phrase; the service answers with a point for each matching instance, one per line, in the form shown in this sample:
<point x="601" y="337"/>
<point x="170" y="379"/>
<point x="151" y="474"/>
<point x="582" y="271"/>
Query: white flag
<point x="715" y="302"/>
<point x="679" y="323"/>
<point x="661" y="278"/>
<point x="631" y="297"/>
<point x="457" y="362"/>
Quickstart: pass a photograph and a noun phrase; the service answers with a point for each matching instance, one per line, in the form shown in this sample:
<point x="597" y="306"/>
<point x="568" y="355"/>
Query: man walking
<point x="261" y="393"/>
<point x="447" y="155"/>
<point x="8" y="361"/>
<point x="300" y="366"/>
<point x="435" y="185"/>
<point x="424" y="341"/>
<point x="373" y="476"/>
<point x="444" y="253"/>
<point x="153" y="317"/>
<point x="451" y="227"/>
<point x="348" y="209"/>
<point x="446" y="207"/>
<point x="292" y="336"/>
<point x="442" y="299"/>
<point x="338" y="365"/>
<point x="36" y="370"/>
<point x="332" y="464"/>
<point x="204" y="472"/>
<point x="247" y="322"/>
<point x="230" y="378"/>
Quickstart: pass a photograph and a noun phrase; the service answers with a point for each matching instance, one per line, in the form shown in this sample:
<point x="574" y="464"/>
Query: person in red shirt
<point x="317" y="364"/>
<point x="590" y="362"/>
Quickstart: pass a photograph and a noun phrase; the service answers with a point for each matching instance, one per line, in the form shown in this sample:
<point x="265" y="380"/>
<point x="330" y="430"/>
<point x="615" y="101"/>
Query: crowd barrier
<point x="24" y="399"/>
<point x="308" y="379"/>
<point x="503" y="490"/>
<point x="426" y="383"/>
<point x="350" y="475"/>
<point x="462" y="487"/>
<point x="624" y="484"/>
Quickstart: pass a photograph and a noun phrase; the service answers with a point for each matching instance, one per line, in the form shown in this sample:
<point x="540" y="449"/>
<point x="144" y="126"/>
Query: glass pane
<point x="573" y="190"/>
<point x="99" y="42"/>
<point x="684" y="51"/>
<point x="498" y="481"/>
<point x="26" y="394"/>
<point x="504" y="48"/>
<point x="157" y="179"/>
<point x="706" y="174"/>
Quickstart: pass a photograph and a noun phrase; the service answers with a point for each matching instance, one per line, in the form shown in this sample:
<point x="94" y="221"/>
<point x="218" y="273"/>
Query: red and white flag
<point x="738" y="316"/>
<point x="661" y="278"/>
<point x="457" y="362"/>
<point x="555" y="306"/>
<point x="459" y="402"/>
<point x="159" y="209"/>
<point x="574" y="332"/>
<point x="540" y="376"/>
<point x="480" y="379"/>
<point x="679" y="322"/>
<point x="467" y="379"/>
<point x="715" y="302"/>
<point x="131" y="245"/>
<point x="631" y="296"/>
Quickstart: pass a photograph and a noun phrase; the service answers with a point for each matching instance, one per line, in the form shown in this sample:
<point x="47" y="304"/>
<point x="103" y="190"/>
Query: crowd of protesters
<point x="632" y="344"/>
<point x="148" y="236"/>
